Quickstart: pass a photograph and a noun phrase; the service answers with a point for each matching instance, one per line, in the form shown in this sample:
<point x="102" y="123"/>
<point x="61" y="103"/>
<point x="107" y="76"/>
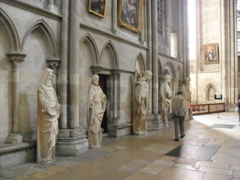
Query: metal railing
<point x="207" y="108"/>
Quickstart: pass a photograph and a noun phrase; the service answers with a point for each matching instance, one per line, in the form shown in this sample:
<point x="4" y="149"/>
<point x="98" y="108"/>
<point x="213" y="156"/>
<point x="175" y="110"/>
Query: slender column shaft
<point x="15" y="97"/>
<point x="114" y="16"/>
<point x="74" y="63"/>
<point x="155" y="56"/>
<point x="64" y="64"/>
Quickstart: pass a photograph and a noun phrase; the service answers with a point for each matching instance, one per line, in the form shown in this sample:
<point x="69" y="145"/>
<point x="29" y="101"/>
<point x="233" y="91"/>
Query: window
<point x="160" y="16"/>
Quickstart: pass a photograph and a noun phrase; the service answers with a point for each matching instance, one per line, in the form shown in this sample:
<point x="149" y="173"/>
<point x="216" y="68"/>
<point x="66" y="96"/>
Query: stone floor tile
<point x="213" y="164"/>
<point x="171" y="173"/>
<point x="56" y="169"/>
<point x="168" y="158"/>
<point x="120" y="147"/>
<point x="116" y="175"/>
<point x="210" y="176"/>
<point x="28" y="168"/>
<point x="66" y="163"/>
<point x="64" y="175"/>
<point x="153" y="169"/>
<point x="215" y="170"/>
<point x="163" y="163"/>
<point x="9" y="173"/>
<point x="186" y="166"/>
<point x="217" y="141"/>
<point x="235" y="168"/>
<point x="42" y="174"/>
<point x="185" y="161"/>
<point x="22" y="177"/>
<point x="141" y="176"/>
<point x="134" y="166"/>
<point x="161" y="148"/>
<point x="236" y="174"/>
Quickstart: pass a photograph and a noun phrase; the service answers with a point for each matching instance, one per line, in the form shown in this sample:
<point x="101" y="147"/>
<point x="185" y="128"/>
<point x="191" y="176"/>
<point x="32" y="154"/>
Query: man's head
<point x="95" y="79"/>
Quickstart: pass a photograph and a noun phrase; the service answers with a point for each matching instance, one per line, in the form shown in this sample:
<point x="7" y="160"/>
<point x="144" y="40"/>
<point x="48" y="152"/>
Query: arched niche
<point x="169" y="69"/>
<point x="139" y="63"/>
<point x="47" y="36"/>
<point x="38" y="44"/>
<point x="11" y="31"/>
<point x="9" y="42"/>
<point x="88" y="42"/>
<point x="88" y="56"/>
<point x="109" y="57"/>
<point x="210" y="91"/>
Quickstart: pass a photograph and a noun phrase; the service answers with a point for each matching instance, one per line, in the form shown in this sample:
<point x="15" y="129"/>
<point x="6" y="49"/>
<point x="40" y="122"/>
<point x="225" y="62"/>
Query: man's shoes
<point x="176" y="139"/>
<point x="182" y="136"/>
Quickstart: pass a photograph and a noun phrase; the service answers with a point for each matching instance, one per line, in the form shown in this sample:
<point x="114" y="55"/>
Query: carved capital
<point x="116" y="73"/>
<point x="53" y="62"/>
<point x="96" y="69"/>
<point x="16" y="58"/>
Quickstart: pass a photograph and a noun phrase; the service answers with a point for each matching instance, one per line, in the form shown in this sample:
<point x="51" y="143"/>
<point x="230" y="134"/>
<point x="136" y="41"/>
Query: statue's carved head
<point x="47" y="77"/>
<point x="95" y="79"/>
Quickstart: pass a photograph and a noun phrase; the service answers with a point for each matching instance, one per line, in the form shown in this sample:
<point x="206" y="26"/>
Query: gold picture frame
<point x="130" y="14"/>
<point x="98" y="7"/>
<point x="211" y="53"/>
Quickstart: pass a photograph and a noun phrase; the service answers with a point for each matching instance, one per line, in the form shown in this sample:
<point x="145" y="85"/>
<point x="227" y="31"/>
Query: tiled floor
<point x="209" y="151"/>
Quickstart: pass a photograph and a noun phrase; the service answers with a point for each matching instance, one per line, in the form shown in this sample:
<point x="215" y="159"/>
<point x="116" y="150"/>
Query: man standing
<point x="178" y="109"/>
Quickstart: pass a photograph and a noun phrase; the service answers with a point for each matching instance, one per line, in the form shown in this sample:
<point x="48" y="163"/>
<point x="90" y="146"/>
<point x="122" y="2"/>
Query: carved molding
<point x="96" y="69"/>
<point x="53" y="62"/>
<point x="16" y="57"/>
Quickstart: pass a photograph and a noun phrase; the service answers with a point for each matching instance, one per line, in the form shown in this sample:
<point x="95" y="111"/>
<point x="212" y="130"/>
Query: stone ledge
<point x="7" y="148"/>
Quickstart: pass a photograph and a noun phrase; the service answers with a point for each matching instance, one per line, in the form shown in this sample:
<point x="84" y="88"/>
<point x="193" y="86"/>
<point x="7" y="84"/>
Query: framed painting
<point x="98" y="7"/>
<point x="130" y="14"/>
<point x="211" y="53"/>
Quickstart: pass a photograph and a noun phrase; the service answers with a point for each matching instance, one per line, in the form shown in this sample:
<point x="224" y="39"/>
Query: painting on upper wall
<point x="211" y="53"/>
<point x="98" y="7"/>
<point x="130" y="14"/>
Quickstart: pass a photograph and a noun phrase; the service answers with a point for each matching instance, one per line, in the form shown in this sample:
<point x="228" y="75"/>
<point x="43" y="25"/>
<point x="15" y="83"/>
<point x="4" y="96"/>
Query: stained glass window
<point x="160" y="16"/>
<point x="238" y="25"/>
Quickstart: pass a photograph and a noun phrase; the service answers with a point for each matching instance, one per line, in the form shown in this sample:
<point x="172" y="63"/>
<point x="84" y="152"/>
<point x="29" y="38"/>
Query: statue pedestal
<point x="154" y="122"/>
<point x="71" y="142"/>
<point x="14" y="138"/>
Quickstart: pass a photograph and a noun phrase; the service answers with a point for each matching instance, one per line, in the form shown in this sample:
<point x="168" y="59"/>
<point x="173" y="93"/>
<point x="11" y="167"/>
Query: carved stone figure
<point x="47" y="120"/>
<point x="142" y="102"/>
<point x="166" y="95"/>
<point x="96" y="107"/>
<point x="187" y="96"/>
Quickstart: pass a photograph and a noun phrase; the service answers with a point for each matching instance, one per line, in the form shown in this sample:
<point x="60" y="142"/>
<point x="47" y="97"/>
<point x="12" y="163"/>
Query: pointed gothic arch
<point x="169" y="69"/>
<point x="140" y="63"/>
<point x="43" y="26"/>
<point x="11" y="29"/>
<point x="94" y="50"/>
<point x="179" y="73"/>
<point x="113" y="53"/>
<point x="210" y="91"/>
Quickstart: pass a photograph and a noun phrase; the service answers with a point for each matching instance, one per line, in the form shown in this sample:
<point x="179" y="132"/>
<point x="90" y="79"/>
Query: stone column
<point x="175" y="86"/>
<point x="114" y="16"/>
<point x="74" y="63"/>
<point x="54" y="64"/>
<point x="72" y="140"/>
<point x="15" y="58"/>
<point x="116" y="99"/>
<point x="155" y="57"/>
<point x="64" y="65"/>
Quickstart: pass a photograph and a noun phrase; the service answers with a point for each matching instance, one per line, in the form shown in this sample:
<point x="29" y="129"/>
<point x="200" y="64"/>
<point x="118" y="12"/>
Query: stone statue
<point x="47" y="119"/>
<point x="187" y="96"/>
<point x="97" y="103"/>
<point x="142" y="102"/>
<point x="166" y="95"/>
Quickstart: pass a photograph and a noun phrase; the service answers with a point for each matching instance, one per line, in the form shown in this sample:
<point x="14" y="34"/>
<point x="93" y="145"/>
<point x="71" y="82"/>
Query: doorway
<point x="103" y="85"/>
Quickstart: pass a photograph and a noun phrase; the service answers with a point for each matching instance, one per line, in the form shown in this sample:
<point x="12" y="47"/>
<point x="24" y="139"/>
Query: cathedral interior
<point x="86" y="89"/>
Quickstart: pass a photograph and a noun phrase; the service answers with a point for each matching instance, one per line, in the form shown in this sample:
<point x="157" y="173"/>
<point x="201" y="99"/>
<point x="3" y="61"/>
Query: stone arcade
<point x="77" y="39"/>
